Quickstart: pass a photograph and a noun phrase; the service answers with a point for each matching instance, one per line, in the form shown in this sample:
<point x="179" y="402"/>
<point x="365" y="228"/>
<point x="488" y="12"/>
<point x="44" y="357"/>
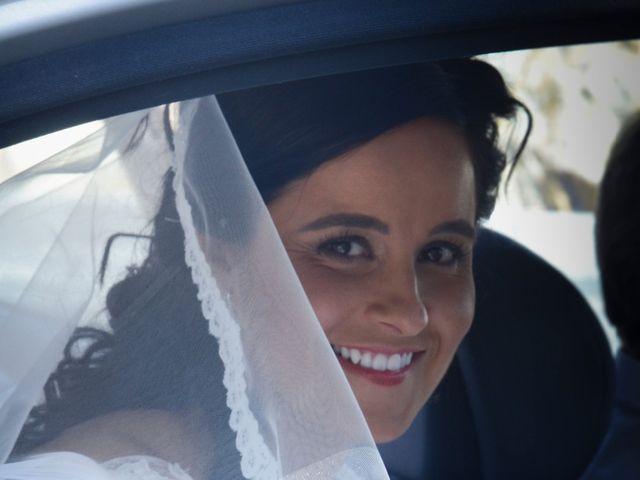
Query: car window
<point x="579" y="96"/>
<point x="24" y="155"/>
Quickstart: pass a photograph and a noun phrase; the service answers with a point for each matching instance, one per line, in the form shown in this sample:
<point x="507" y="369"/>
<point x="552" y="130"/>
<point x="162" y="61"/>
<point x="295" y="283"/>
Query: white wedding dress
<point x="73" y="466"/>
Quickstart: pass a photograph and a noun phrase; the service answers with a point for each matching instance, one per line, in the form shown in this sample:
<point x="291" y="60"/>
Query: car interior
<point x="543" y="413"/>
<point x="489" y="417"/>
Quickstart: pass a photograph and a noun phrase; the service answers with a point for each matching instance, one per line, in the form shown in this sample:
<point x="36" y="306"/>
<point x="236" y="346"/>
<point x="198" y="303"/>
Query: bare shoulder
<point x="167" y="435"/>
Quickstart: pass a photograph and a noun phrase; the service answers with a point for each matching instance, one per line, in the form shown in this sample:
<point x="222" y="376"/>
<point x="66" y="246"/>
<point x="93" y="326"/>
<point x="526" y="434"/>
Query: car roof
<point x="61" y="67"/>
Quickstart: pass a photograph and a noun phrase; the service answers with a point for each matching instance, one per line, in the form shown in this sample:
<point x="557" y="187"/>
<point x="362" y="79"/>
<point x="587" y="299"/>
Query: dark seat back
<point x="529" y="393"/>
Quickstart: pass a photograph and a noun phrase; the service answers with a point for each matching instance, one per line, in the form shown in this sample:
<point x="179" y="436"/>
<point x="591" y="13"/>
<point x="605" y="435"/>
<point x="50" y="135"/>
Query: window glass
<point x="579" y="97"/>
<point x="20" y="157"/>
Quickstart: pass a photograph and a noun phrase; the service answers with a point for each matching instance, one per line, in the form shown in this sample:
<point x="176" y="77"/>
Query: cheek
<point x="334" y="298"/>
<point x="450" y="302"/>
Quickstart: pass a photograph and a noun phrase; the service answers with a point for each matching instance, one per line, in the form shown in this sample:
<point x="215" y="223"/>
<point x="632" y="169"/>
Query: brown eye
<point x="440" y="254"/>
<point x="347" y="248"/>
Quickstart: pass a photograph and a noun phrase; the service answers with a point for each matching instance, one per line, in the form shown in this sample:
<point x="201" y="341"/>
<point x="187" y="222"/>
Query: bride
<point x="218" y="357"/>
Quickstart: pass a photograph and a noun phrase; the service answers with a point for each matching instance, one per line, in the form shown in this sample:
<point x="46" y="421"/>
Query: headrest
<point x="529" y="393"/>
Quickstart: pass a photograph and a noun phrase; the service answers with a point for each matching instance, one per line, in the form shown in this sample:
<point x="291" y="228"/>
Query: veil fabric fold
<point x="146" y="289"/>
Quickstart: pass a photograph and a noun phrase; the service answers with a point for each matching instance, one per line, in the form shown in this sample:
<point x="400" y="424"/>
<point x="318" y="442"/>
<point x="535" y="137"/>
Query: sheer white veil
<point x="243" y="385"/>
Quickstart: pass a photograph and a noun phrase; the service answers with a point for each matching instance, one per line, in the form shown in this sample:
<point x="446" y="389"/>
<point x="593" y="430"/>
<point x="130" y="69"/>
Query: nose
<point x="398" y="305"/>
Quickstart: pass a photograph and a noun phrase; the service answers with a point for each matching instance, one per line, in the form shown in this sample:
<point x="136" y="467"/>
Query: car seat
<point x="529" y="393"/>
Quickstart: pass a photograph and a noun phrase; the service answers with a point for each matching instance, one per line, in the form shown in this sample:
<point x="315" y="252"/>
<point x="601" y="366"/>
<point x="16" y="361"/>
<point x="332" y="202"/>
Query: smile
<point x="376" y="361"/>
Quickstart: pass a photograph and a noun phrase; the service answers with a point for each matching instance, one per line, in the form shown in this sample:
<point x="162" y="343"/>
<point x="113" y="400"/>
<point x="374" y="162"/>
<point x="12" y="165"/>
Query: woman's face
<point x="381" y="239"/>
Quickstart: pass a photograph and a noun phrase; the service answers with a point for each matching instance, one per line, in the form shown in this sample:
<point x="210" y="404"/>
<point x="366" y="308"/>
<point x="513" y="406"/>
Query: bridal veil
<point x="145" y="291"/>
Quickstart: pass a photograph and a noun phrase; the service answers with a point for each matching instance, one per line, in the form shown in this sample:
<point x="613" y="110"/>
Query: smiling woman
<point x="381" y="240"/>
<point x="372" y="182"/>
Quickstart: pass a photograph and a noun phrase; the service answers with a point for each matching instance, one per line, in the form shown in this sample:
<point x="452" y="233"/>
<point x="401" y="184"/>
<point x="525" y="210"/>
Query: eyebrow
<point x="347" y="220"/>
<point x="461" y="227"/>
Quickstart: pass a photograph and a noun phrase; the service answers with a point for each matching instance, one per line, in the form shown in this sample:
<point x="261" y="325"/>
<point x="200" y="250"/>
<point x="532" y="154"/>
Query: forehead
<point x="424" y="164"/>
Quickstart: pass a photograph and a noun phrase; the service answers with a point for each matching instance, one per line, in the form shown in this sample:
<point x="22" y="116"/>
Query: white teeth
<point x="355" y="356"/>
<point x="406" y="358"/>
<point x="378" y="361"/>
<point x="394" y="362"/>
<point x="365" y="361"/>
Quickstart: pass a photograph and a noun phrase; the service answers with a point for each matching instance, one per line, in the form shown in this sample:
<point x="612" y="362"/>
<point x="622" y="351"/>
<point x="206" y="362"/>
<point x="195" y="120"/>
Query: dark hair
<point x="618" y="235"/>
<point x="284" y="132"/>
<point x="292" y="128"/>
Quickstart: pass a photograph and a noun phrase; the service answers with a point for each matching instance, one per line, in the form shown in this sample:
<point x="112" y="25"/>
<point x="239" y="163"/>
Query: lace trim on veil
<point x="257" y="461"/>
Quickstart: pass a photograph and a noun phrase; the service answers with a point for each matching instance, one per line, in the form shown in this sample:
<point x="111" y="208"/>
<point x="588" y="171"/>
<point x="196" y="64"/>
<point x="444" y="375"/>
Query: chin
<point x="388" y="418"/>
<point x="390" y="428"/>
